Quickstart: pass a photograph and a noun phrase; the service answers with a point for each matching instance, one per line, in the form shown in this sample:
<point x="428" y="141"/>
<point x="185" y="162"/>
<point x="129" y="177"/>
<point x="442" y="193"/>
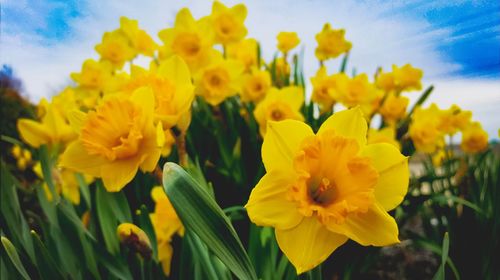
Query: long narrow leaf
<point x="14" y="257"/>
<point x="201" y="215"/>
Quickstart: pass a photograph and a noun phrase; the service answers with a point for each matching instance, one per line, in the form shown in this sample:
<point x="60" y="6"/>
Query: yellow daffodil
<point x="424" y="130"/>
<point x="244" y="51"/>
<point x="141" y="41"/>
<point x="115" y="140"/>
<point x="287" y="41"/>
<point x="331" y="43"/>
<point x="172" y="87"/>
<point x="228" y="23"/>
<point x="474" y="139"/>
<point x="359" y="91"/>
<point x="384" y="135"/>
<point x="454" y="119"/>
<point x="322" y="189"/>
<point x="278" y="105"/>
<point x="385" y="81"/>
<point x="166" y="223"/>
<point x="53" y="129"/>
<point x="255" y="85"/>
<point x="94" y="75"/>
<point x="325" y="88"/>
<point x="190" y="39"/>
<point x="407" y="78"/>
<point x="135" y="238"/>
<point x="394" y="108"/>
<point x="115" y="48"/>
<point x="219" y="80"/>
<point x="65" y="101"/>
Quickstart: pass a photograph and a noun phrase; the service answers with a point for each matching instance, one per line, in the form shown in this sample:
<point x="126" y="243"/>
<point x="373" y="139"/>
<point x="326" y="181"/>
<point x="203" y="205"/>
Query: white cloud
<point x="380" y="37"/>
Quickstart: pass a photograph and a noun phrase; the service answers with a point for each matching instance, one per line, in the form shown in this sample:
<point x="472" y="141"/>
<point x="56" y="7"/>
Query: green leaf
<point x="200" y="252"/>
<point x="16" y="226"/>
<point x="84" y="188"/>
<point x="47" y="172"/>
<point x="114" y="265"/>
<point x="112" y="209"/>
<point x="440" y="275"/>
<point x="46" y="265"/>
<point x="79" y="237"/>
<point x="344" y="62"/>
<point x="201" y="215"/>
<point x="14" y="257"/>
<point x="48" y="207"/>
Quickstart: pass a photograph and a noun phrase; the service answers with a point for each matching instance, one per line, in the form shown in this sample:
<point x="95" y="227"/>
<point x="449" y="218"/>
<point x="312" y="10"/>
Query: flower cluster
<point x="430" y="126"/>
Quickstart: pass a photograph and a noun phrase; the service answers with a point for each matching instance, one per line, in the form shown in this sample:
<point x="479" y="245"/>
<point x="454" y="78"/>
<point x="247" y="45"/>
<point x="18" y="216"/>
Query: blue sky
<point x="456" y="43"/>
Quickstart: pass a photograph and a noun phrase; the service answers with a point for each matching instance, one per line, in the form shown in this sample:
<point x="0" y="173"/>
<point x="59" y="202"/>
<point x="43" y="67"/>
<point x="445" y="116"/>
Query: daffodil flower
<point x="322" y="189"/>
<point x="52" y="129"/>
<point x="278" y="105"/>
<point x="331" y="43"/>
<point x="115" y="140"/>
<point x="287" y="41"/>
<point x="228" y="23"/>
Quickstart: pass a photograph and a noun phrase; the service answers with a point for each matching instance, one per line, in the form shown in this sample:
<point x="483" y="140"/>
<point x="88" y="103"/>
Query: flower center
<point x="113" y="130"/>
<point x="333" y="180"/>
<point x="277" y="115"/>
<point x="187" y="45"/>
<point x="225" y="25"/>
<point x="321" y="191"/>
<point x="216" y="80"/>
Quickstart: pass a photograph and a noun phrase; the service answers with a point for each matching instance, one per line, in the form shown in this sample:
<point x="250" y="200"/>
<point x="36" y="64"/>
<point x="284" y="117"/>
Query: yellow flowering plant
<point x="203" y="159"/>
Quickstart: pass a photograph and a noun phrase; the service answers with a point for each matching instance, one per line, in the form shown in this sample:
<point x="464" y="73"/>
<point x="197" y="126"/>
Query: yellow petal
<point x="117" y="174"/>
<point x="76" y="119"/>
<point x="282" y="142"/>
<point x="165" y="252"/>
<point x="348" y="123"/>
<point x="184" y="19"/>
<point x="218" y="7"/>
<point x="158" y="193"/>
<point x="308" y="244"/>
<point x="268" y="204"/>
<point x="144" y="97"/>
<point x="54" y="123"/>
<point x="294" y="96"/>
<point x="76" y="158"/>
<point x="175" y="69"/>
<point x="33" y="133"/>
<point x="160" y="135"/>
<point x="375" y="227"/>
<point x="240" y="11"/>
<point x="394" y="174"/>
<point x="72" y="193"/>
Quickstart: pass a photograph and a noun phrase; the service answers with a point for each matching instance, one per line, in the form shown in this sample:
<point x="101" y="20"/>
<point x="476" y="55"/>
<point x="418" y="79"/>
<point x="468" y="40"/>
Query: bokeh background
<point x="456" y="43"/>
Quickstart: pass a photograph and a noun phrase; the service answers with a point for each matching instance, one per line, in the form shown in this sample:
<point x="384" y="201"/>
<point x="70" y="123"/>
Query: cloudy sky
<point x="456" y="43"/>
